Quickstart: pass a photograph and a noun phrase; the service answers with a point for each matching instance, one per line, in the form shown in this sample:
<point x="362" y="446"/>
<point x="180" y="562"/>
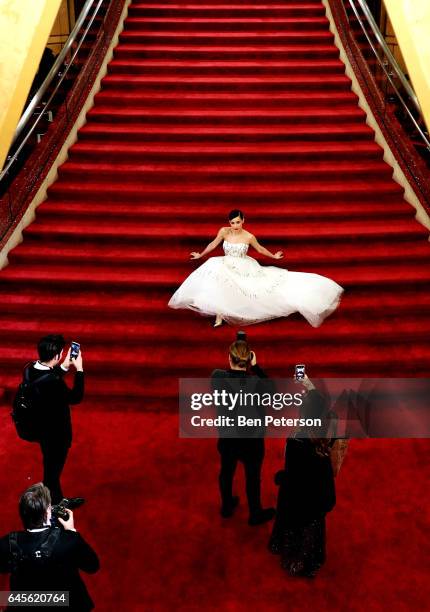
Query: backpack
<point x="35" y="560"/>
<point x="24" y="407"/>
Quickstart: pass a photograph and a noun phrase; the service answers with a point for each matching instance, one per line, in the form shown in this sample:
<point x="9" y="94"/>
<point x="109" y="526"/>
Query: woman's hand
<point x="195" y="255"/>
<point x="278" y="255"/>
<point x="307" y="383"/>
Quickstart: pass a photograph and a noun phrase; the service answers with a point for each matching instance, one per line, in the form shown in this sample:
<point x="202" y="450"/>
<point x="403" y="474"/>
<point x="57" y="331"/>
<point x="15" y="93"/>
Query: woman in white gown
<point x="237" y="289"/>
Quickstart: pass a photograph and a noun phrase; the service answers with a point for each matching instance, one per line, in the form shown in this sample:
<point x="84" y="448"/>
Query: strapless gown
<point x="243" y="292"/>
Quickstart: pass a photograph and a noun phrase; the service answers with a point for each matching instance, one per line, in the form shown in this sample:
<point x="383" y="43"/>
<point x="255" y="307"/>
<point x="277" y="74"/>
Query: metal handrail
<point x="37" y="98"/>
<point x="393" y="63"/>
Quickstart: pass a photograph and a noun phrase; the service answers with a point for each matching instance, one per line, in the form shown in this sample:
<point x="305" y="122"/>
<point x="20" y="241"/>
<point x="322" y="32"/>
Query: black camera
<point x="60" y="510"/>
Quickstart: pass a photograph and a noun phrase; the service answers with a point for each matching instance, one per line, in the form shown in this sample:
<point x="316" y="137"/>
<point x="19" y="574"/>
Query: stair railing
<point x="391" y="69"/>
<point x="388" y="91"/>
<point x="53" y="110"/>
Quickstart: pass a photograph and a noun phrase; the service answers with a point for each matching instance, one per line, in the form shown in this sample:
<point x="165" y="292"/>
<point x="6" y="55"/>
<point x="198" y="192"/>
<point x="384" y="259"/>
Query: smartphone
<point x="76" y="347"/>
<point x="299" y="372"/>
<point x="241" y="335"/>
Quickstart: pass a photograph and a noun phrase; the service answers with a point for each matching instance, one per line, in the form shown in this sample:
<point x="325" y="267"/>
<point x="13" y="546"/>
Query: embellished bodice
<point x="238" y="249"/>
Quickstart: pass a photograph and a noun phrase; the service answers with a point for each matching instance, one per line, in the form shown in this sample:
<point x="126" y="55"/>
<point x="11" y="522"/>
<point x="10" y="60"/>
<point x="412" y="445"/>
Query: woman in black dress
<point x="306" y="494"/>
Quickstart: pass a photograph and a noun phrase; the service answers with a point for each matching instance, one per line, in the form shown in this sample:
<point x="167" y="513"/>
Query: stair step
<point x="322" y="171"/>
<point x="229" y="191"/>
<point x="366" y="276"/>
<point x="200" y="68"/>
<point x="235" y="117"/>
<point x="199" y="152"/>
<point x="288" y="83"/>
<point x="211" y="135"/>
<point x="209" y="10"/>
<point x="216" y="3"/>
<point x="225" y="51"/>
<point x="137" y="333"/>
<point x="306" y="37"/>
<point x="236" y="100"/>
<point x="90" y="304"/>
<point x="218" y="25"/>
<point x="336" y="360"/>
<point x="329" y="231"/>
<point x="301" y="256"/>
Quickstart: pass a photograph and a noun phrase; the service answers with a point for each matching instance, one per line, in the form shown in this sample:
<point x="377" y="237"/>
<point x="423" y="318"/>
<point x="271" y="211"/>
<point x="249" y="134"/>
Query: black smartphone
<point x="241" y="335"/>
<point x="299" y="372"/>
<point x="76" y="347"/>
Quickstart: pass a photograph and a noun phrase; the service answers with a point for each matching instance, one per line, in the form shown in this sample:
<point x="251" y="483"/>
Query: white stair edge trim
<point x="30" y="214"/>
<point x="398" y="175"/>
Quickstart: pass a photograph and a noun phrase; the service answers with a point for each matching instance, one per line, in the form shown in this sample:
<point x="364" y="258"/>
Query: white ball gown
<point x="243" y="292"/>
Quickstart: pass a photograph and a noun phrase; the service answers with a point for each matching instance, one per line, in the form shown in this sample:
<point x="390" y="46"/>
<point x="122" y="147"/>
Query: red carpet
<point x="152" y="513"/>
<point x="208" y="107"/>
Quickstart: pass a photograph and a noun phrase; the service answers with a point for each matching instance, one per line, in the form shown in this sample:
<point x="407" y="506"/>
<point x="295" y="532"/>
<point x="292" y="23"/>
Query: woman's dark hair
<point x="235" y="213"/>
<point x="50" y="346"/>
<point x="240" y="353"/>
<point x="33" y="506"/>
<point x="315" y="406"/>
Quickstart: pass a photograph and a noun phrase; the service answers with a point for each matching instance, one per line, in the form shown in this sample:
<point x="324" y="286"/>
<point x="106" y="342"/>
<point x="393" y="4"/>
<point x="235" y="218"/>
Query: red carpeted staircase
<point x="205" y="108"/>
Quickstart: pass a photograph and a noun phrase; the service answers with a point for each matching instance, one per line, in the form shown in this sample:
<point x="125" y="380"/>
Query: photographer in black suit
<point x="46" y="558"/>
<point x="53" y="400"/>
<point x="248" y="450"/>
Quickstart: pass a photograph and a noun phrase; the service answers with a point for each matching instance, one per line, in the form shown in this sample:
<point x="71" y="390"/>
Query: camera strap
<point x="14" y="550"/>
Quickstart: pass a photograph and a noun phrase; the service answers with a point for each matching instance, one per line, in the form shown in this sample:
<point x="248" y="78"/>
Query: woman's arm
<point x="261" y="249"/>
<point x="211" y="246"/>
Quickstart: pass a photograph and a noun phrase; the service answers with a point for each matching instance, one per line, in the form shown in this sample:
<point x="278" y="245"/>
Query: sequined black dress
<point x="306" y="494"/>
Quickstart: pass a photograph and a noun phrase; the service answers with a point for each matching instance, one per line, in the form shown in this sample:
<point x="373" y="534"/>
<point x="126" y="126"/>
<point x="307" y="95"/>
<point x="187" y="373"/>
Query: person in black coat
<point x="52" y="399"/>
<point x="306" y="494"/>
<point x="45" y="558"/>
<point x="248" y="450"/>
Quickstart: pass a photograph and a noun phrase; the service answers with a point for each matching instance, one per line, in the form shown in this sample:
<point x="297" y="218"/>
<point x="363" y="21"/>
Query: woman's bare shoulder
<point x="223" y="231"/>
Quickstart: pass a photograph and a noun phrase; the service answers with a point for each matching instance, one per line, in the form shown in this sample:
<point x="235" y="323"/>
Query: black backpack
<point x="36" y="559"/>
<point x="24" y="407"/>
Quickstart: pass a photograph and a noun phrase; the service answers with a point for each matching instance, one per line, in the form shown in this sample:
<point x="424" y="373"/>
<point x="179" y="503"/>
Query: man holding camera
<point x="248" y="450"/>
<point x="53" y="400"/>
<point x="46" y="558"/>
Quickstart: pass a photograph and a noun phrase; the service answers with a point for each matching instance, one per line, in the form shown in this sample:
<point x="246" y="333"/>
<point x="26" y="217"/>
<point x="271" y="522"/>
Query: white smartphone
<point x="75" y="350"/>
<point x="299" y="372"/>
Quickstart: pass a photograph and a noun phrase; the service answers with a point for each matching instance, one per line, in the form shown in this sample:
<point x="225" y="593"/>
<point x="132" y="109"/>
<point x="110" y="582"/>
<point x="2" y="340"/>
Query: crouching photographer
<point x="44" y="557"/>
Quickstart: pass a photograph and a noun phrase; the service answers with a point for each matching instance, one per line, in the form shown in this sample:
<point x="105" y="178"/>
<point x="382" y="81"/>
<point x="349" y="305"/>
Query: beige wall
<point x="24" y="26"/>
<point x="62" y="27"/>
<point x="411" y="23"/>
<point x="390" y="37"/>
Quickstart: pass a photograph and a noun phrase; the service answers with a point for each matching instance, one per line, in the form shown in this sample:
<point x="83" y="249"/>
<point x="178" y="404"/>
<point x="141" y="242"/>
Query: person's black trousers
<point x="54" y="455"/>
<point x="250" y="452"/>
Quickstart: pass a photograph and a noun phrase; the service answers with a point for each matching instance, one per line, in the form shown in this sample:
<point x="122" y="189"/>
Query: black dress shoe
<point x="263" y="516"/>
<point x="227" y="510"/>
<point x="72" y="502"/>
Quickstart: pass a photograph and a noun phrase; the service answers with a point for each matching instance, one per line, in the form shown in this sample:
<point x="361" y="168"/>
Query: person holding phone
<point x="247" y="450"/>
<point x="52" y="401"/>
<point x="306" y="489"/>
